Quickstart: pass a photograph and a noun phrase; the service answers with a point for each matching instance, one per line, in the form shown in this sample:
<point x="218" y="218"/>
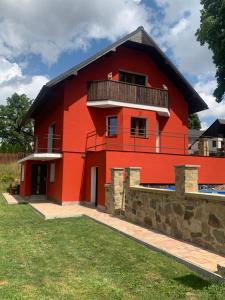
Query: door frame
<point x="94" y="185"/>
<point x="46" y="181"/>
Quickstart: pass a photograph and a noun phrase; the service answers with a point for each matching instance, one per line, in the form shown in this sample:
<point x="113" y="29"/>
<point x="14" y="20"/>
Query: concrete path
<point x="197" y="259"/>
<point x="12" y="199"/>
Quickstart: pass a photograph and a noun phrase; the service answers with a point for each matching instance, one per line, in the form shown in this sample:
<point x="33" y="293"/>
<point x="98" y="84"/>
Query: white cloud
<point x="48" y="28"/>
<point x="12" y="80"/>
<point x="180" y="23"/>
<point x="216" y="110"/>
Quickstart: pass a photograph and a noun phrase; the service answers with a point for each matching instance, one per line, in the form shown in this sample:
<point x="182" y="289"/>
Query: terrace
<point x="142" y="140"/>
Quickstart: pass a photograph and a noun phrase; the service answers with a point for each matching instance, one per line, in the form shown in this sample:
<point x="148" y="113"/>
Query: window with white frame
<point x="22" y="172"/>
<point x="111" y="123"/>
<point x="52" y="172"/>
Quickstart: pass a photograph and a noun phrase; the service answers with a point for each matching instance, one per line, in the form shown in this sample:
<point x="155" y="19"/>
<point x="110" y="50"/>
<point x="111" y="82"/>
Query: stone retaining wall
<point x="184" y="214"/>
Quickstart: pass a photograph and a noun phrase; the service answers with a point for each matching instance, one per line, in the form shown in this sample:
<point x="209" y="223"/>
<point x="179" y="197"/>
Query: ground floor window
<point x="112" y="125"/>
<point x="139" y="127"/>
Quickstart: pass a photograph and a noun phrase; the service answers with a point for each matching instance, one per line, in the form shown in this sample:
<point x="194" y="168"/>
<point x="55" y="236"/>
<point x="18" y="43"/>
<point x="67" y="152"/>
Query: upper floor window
<point x="132" y="78"/>
<point x="51" y="137"/>
<point x="139" y="127"/>
<point x="112" y="126"/>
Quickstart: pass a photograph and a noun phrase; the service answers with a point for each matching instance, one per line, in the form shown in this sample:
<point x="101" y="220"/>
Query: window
<point x="22" y="173"/>
<point x="52" y="172"/>
<point x="132" y="78"/>
<point x="51" y="137"/>
<point x="214" y="145"/>
<point x="111" y="123"/>
<point x="138" y="127"/>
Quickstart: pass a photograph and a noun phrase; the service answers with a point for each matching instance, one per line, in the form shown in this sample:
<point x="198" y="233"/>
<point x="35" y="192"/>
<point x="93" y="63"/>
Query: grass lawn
<point x="77" y="258"/>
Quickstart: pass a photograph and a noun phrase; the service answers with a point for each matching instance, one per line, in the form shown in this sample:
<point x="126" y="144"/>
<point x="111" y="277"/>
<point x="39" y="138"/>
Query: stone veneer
<point x="203" y="147"/>
<point x="185" y="214"/>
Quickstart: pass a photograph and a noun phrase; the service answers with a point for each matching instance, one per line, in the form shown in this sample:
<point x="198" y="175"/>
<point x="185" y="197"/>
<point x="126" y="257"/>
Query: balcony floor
<point x="41" y="156"/>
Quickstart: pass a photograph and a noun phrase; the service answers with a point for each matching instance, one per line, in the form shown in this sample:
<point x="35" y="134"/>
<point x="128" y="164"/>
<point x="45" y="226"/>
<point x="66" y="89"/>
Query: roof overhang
<point x="41" y="157"/>
<point x="161" y="111"/>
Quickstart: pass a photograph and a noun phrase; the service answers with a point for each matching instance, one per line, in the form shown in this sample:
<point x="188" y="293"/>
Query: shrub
<point x="7" y="178"/>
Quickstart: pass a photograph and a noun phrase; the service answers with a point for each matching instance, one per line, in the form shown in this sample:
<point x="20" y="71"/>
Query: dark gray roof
<point x="217" y="128"/>
<point x="136" y="39"/>
<point x="195" y="133"/>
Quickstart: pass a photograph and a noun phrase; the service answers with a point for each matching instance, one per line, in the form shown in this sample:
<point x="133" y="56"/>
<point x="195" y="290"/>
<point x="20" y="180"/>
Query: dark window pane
<point x="140" y="80"/>
<point x="138" y="127"/>
<point x="214" y="144"/>
<point x="133" y="126"/>
<point x="132" y="78"/>
<point x="112" y="126"/>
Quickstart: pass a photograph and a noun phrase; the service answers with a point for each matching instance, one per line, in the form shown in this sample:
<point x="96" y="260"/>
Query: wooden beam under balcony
<point x="109" y="93"/>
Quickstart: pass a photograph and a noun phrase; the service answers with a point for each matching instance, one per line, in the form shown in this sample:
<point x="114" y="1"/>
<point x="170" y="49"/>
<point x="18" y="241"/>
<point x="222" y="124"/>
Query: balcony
<point x="109" y="93"/>
<point x="44" y="148"/>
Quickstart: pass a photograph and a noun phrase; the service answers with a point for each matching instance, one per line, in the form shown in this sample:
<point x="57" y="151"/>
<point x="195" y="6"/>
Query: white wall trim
<point x="110" y="103"/>
<point x="41" y="156"/>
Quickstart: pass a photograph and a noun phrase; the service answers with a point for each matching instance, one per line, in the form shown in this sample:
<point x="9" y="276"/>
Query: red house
<point x="126" y="106"/>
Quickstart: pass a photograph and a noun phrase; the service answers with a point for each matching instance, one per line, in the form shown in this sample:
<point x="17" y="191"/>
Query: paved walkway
<point x="196" y="258"/>
<point x="13" y="199"/>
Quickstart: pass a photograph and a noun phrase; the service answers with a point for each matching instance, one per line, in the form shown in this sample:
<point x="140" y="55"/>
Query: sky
<point x="41" y="39"/>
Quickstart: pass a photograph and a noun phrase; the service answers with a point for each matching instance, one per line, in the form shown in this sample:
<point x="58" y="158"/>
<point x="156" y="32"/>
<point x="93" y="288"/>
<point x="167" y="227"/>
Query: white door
<point x="94" y="185"/>
<point x="157" y="137"/>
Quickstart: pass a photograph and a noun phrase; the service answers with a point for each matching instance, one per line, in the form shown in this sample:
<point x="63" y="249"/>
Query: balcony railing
<point x="126" y="92"/>
<point x="150" y="141"/>
<point x="48" y="143"/>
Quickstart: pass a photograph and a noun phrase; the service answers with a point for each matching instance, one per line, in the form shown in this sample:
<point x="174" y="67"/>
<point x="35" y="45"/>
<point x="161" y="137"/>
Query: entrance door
<point x="38" y="179"/>
<point x="94" y="186"/>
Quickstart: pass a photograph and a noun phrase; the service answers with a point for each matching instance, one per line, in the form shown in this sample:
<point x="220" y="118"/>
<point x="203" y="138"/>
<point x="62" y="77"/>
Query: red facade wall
<point x="159" y="168"/>
<point x="79" y="120"/>
<point x="51" y="113"/>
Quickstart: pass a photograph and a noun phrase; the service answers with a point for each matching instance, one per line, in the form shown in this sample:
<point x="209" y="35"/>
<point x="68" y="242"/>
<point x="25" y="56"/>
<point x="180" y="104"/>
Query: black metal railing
<point x="142" y="140"/>
<point x="48" y="143"/>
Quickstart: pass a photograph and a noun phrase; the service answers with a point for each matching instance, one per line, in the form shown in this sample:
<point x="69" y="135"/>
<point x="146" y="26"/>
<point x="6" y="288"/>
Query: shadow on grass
<point x="193" y="281"/>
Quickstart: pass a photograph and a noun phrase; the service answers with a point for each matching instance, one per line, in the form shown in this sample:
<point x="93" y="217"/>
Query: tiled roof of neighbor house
<point x="137" y="39"/>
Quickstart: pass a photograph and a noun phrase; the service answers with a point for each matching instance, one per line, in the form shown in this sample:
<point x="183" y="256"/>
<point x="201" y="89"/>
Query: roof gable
<point x="141" y="40"/>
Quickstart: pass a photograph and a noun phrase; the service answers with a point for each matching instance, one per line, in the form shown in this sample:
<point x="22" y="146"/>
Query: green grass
<point x="77" y="258"/>
<point x="9" y="170"/>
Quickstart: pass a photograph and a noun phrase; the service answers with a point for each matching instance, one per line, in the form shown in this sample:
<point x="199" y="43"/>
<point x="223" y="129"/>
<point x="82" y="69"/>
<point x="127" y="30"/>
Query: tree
<point x="212" y="32"/>
<point x="194" y="122"/>
<point x="15" y="136"/>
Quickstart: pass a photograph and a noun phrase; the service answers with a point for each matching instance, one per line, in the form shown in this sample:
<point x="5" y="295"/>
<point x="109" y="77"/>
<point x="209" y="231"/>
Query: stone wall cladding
<point x="184" y="214"/>
<point x="199" y="221"/>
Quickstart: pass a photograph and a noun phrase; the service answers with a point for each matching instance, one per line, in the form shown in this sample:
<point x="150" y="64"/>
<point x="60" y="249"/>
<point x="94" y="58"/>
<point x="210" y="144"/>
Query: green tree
<point x="212" y="32"/>
<point x="194" y="122"/>
<point x="15" y="136"/>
